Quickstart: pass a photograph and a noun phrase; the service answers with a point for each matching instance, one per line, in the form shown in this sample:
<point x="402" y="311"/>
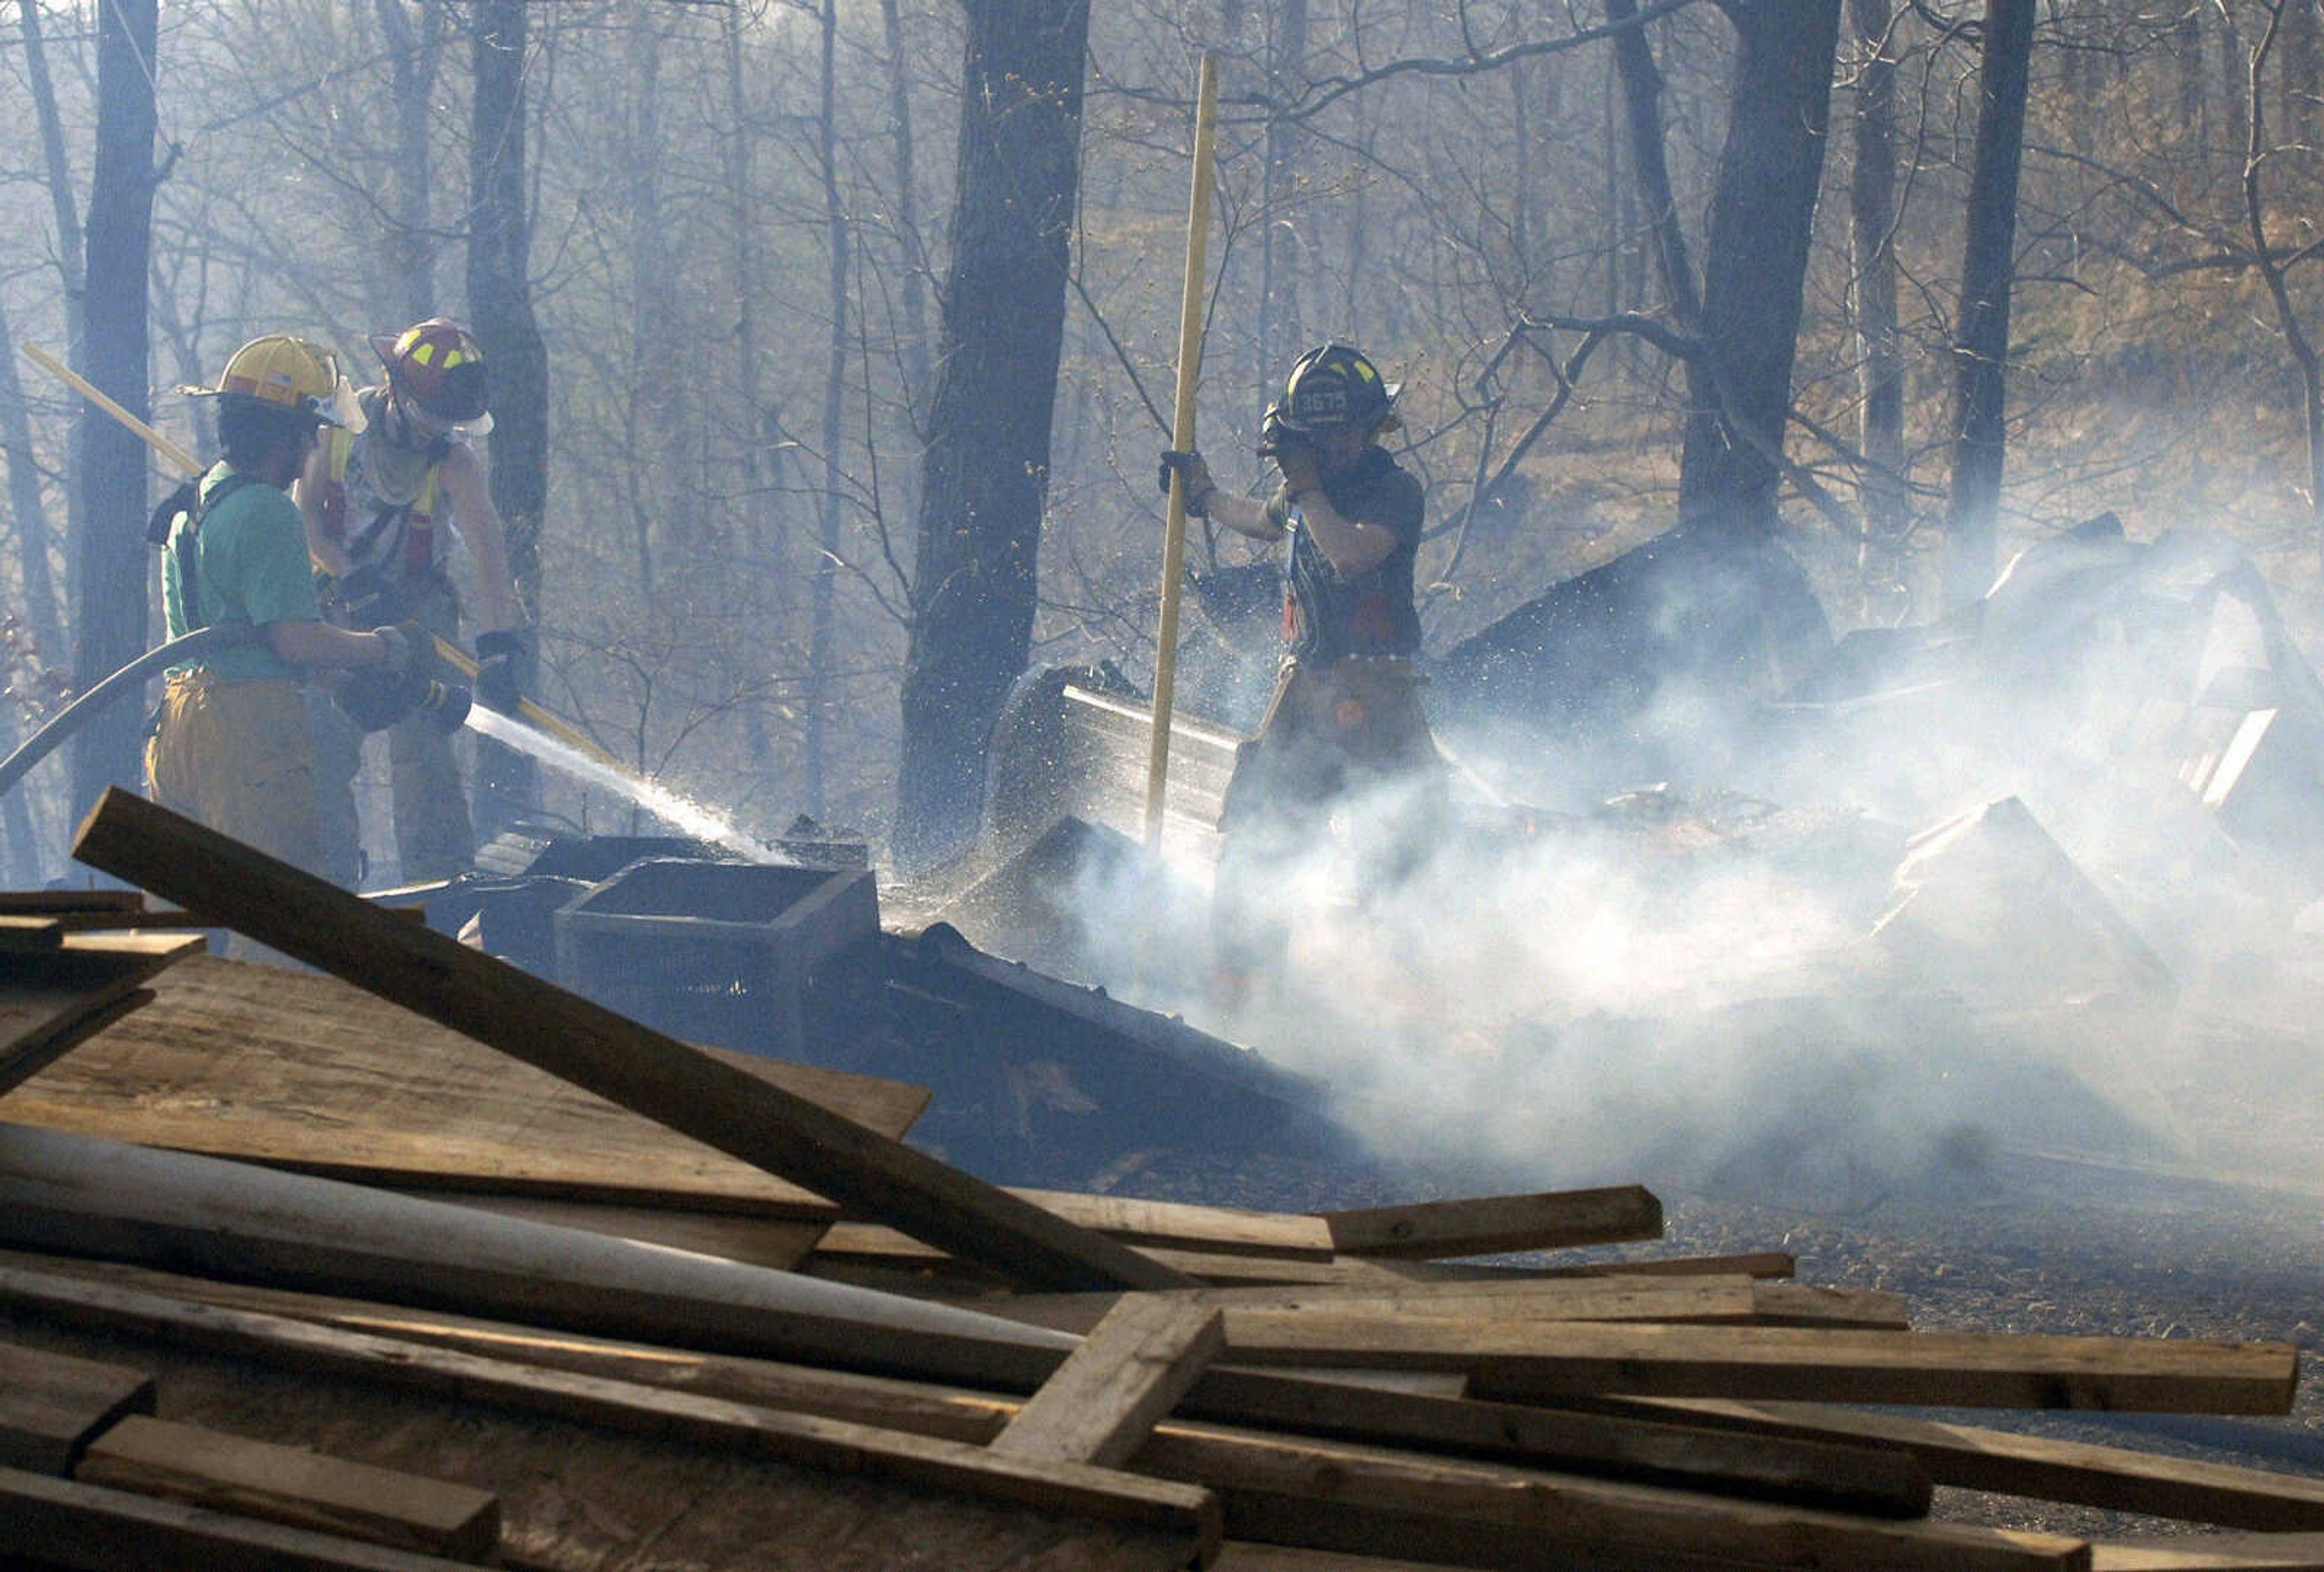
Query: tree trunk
<point x="822" y="652"/>
<point x="915" y="258"/>
<point x="985" y="474"/>
<point x="1762" y="213"/>
<point x="414" y="55"/>
<point x="1281" y="337"/>
<point x="113" y="563"/>
<point x="33" y="542"/>
<point x="1988" y="266"/>
<point x="499" y="302"/>
<point x="1880" y="362"/>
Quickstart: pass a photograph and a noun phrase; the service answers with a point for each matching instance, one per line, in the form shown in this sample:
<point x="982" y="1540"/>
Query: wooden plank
<point x="1069" y="1489"/>
<point x="1346" y="1497"/>
<point x="1494" y="1224"/>
<point x="288" y="1484"/>
<point x="2079" y="1474"/>
<point x="1287" y="1308"/>
<point x="771" y="1129"/>
<point x="48" y="999"/>
<point x="2205" y="1553"/>
<point x="305" y="1071"/>
<point x="1750" y="1264"/>
<point x="1179" y="1225"/>
<point x="46" y="903"/>
<point x="1831" y="1475"/>
<point x="1103" y="1401"/>
<point x="1570" y="1359"/>
<point x="31" y="935"/>
<point x="62" y="1522"/>
<point x="52" y="1404"/>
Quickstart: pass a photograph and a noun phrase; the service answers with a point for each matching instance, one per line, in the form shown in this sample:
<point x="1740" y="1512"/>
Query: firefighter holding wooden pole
<point x="1345" y="726"/>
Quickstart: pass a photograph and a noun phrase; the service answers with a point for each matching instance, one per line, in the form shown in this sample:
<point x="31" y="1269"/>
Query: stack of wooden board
<point x="955" y="1374"/>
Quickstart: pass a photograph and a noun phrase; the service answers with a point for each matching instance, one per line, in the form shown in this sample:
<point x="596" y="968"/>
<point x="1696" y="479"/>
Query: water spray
<point x="702" y="823"/>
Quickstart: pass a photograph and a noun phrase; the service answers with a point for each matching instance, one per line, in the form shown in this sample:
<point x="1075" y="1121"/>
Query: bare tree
<point x="1989" y="266"/>
<point x="500" y="298"/>
<point x="1872" y="279"/>
<point x="986" y="472"/>
<point x="2303" y="350"/>
<point x="113" y="564"/>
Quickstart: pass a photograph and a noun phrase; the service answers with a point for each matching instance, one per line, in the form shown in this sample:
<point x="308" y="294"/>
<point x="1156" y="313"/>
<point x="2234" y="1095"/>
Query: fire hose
<point x="130" y="679"/>
<point x="450" y="653"/>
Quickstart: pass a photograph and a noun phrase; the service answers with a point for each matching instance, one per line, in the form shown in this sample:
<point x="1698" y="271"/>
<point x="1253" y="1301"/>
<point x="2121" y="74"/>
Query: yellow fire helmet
<point x="280" y="372"/>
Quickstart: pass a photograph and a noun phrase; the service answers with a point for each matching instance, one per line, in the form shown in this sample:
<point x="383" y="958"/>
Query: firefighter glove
<point x="401" y="649"/>
<point x="500" y="662"/>
<point x="1189" y="467"/>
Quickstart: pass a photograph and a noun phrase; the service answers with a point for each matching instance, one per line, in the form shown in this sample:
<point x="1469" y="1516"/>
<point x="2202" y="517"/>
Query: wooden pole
<point x="1181" y="437"/>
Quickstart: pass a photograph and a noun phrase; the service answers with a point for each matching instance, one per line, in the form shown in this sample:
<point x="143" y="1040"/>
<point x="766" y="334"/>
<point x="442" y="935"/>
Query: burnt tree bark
<point x="112" y="562"/>
<point x="1982" y="337"/>
<point x="1755" y="268"/>
<point x="1880" y="361"/>
<point x="499" y="302"/>
<point x="985" y="474"/>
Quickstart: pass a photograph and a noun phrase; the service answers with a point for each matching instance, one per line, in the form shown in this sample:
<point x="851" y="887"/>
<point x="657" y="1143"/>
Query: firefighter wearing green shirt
<point x="231" y="746"/>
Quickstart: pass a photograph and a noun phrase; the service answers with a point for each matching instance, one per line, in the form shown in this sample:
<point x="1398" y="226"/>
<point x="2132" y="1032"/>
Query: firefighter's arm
<point x="326" y="535"/>
<point x="467" y="487"/>
<point x="1350" y="545"/>
<point x="310" y="645"/>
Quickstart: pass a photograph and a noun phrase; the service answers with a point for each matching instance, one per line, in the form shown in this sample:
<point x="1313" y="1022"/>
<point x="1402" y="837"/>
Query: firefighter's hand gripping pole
<point x="1182" y="439"/>
<point x="450" y="653"/>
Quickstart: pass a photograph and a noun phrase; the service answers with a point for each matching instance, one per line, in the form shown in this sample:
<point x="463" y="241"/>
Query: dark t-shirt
<point x="1327" y="616"/>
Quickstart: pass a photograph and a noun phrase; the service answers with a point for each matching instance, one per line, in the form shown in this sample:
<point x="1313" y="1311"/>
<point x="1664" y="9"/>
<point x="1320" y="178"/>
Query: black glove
<point x="500" y="663"/>
<point x="361" y="598"/>
<point x="1190" y="467"/>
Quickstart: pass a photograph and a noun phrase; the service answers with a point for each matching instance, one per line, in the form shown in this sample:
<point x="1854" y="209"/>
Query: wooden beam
<point x="1103" y="1402"/>
<point x="1834" y="1477"/>
<point x="1347" y="1497"/>
<point x="50" y="1000"/>
<point x="1269" y="1316"/>
<point x="1944" y="1369"/>
<point x="1069" y="1489"/>
<point x="46" y="903"/>
<point x="1494" y="1224"/>
<point x="315" y="921"/>
<point x="2206" y="1553"/>
<point x="31" y="935"/>
<point x="1977" y="1458"/>
<point x="52" y="1405"/>
<point x="62" y="1522"/>
<point x="288" y="1484"/>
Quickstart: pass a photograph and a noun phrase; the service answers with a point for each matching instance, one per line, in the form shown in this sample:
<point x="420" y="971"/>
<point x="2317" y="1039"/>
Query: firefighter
<point x="1345" y="726"/>
<point x="231" y="746"/>
<point x="383" y="505"/>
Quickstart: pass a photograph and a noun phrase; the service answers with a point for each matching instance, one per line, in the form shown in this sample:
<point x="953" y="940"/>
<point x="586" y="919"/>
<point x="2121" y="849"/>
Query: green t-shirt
<point x="250" y="559"/>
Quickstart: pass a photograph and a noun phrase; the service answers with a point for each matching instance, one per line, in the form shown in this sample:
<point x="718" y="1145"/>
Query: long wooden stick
<point x="1181" y="437"/>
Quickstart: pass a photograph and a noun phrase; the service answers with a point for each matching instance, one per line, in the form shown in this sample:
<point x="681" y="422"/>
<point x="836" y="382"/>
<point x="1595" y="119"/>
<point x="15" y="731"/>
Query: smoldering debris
<point x="1888" y="910"/>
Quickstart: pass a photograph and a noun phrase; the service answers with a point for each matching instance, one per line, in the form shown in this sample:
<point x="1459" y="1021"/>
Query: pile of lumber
<point x="376" y="1268"/>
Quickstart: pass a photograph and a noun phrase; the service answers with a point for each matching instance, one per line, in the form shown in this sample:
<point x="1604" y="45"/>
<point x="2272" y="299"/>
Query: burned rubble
<point x="643" y="1204"/>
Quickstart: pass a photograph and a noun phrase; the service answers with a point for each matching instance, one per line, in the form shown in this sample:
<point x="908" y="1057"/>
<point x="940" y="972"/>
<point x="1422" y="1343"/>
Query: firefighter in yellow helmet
<point x="386" y="504"/>
<point x="231" y="746"/>
<point x="1345" y="728"/>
